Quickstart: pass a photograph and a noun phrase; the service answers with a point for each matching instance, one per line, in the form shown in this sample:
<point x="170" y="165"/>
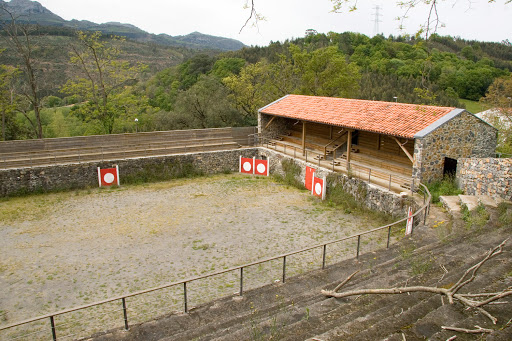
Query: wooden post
<point x="303" y="137"/>
<point x="349" y="147"/>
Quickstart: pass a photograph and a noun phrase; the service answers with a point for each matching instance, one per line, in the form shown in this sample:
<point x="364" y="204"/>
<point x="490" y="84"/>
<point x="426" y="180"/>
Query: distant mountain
<point x="34" y="12"/>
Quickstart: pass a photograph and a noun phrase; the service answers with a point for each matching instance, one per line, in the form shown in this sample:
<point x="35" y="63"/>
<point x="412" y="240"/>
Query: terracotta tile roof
<point x="389" y="118"/>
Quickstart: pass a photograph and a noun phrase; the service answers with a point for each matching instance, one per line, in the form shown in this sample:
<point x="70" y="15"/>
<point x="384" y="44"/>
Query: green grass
<point x="473" y="107"/>
<point x="447" y="186"/>
<point x="475" y="218"/>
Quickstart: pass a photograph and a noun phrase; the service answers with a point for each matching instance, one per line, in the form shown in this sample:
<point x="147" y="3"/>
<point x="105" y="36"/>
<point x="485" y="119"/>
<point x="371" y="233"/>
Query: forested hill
<point x="34" y="12"/>
<point x="392" y="67"/>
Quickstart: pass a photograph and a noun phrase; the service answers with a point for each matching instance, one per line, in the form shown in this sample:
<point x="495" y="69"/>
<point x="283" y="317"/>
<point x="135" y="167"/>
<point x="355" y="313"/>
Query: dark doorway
<point x="450" y="166"/>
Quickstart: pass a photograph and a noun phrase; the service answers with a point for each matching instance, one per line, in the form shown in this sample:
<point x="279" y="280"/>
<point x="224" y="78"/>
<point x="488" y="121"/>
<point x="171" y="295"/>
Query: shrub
<point x="447" y="186"/>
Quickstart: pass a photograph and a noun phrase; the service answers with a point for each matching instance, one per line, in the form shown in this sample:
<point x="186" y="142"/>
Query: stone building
<point x="419" y="141"/>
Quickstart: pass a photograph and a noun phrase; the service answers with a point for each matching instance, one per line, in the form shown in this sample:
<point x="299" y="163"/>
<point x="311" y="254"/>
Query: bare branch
<point x="451" y="293"/>
<point x="478" y="330"/>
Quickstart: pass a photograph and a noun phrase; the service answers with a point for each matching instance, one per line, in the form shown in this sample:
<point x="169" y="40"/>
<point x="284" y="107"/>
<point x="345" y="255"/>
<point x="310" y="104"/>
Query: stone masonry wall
<point x="83" y="175"/>
<point x="372" y="196"/>
<point x="463" y="136"/>
<point x="488" y="176"/>
<point x="279" y="125"/>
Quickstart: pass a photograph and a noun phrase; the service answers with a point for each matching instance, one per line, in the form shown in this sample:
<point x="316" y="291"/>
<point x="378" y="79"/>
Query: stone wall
<point x="488" y="176"/>
<point x="279" y="125"/>
<point x="83" y="175"/>
<point x="372" y="196"/>
<point x="461" y="137"/>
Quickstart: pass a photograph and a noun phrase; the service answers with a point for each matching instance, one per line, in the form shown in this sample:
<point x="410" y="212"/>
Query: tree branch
<point x="451" y="293"/>
<point x="478" y="330"/>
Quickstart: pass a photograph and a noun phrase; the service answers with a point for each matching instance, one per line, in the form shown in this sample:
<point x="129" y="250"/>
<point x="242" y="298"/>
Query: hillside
<point x="52" y="55"/>
<point x="34" y="12"/>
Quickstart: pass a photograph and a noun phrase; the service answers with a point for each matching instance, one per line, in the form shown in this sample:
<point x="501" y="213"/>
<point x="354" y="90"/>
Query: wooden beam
<point x="273" y="117"/>
<point x="349" y="146"/>
<point x="303" y="137"/>
<point x="403" y="148"/>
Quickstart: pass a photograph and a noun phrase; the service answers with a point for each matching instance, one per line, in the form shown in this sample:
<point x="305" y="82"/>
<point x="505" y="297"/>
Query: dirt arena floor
<point x="63" y="250"/>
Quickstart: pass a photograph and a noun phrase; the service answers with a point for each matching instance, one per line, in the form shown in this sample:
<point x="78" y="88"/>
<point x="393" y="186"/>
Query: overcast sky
<point x="285" y="19"/>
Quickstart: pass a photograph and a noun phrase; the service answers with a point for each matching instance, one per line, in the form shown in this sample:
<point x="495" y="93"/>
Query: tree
<point x="324" y="72"/>
<point x="206" y="105"/>
<point x="22" y="39"/>
<point x="7" y="102"/>
<point x="101" y="79"/>
<point x="499" y="98"/>
<point x="249" y="89"/>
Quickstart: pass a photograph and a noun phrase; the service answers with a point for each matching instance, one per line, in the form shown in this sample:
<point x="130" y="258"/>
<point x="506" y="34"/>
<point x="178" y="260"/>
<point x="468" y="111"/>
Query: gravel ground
<point x="68" y="249"/>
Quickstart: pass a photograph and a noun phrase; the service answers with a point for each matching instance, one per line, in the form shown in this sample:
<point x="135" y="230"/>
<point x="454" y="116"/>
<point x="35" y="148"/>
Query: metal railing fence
<point x="369" y="174"/>
<point x="356" y="245"/>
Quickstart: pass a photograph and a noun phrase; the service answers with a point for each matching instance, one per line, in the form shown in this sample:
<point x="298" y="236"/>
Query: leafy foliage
<point x="102" y="81"/>
<point x="446" y="186"/>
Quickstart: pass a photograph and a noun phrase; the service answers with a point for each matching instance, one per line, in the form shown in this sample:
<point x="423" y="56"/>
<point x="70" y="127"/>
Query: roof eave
<point x="277" y="100"/>
<point x="446" y="118"/>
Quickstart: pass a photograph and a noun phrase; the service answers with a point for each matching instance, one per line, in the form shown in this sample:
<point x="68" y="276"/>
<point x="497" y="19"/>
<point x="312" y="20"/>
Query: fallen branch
<point x="478" y="330"/>
<point x="469" y="300"/>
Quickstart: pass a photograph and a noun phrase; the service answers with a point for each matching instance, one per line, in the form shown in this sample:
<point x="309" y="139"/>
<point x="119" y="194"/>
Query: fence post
<point x="370" y="176"/>
<point x="284" y="269"/>
<point x="389" y="236"/>
<point x="125" y="314"/>
<point x="358" y="244"/>
<point x="54" y="333"/>
<point x="306" y="156"/>
<point x="185" y="296"/>
<point x="323" y="256"/>
<point x="241" y="281"/>
<point x="294" y="152"/>
<point x="390" y="182"/>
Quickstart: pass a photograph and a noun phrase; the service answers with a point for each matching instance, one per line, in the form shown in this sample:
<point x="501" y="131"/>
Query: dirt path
<point x="67" y="249"/>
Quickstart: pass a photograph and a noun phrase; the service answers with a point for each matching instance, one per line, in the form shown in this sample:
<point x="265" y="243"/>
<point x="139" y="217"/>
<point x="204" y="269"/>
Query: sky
<point x="287" y="19"/>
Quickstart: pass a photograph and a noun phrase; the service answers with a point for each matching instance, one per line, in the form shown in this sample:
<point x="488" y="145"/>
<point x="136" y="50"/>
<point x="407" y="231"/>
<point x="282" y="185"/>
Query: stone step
<point x="450" y="202"/>
<point x="470" y="201"/>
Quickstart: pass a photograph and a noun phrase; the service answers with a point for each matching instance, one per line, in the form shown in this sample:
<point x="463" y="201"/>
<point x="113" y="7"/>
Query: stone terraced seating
<point x="296" y="310"/>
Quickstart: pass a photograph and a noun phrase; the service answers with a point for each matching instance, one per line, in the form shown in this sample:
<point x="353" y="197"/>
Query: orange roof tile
<point x="389" y="118"/>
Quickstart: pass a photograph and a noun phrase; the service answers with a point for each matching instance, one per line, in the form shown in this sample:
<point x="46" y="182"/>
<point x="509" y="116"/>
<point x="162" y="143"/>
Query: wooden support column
<point x="405" y="150"/>
<point x="349" y="147"/>
<point x="303" y="137"/>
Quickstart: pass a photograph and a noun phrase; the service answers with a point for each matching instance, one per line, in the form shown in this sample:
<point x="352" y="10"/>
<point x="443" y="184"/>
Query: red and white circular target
<point x="318" y="187"/>
<point x="261" y="167"/>
<point x="108" y="176"/>
<point x="246" y="165"/>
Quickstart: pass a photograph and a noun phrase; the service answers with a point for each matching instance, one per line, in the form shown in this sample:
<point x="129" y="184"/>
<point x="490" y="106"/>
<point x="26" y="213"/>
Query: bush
<point x="447" y="186"/>
<point x="291" y="171"/>
<point x="53" y="101"/>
